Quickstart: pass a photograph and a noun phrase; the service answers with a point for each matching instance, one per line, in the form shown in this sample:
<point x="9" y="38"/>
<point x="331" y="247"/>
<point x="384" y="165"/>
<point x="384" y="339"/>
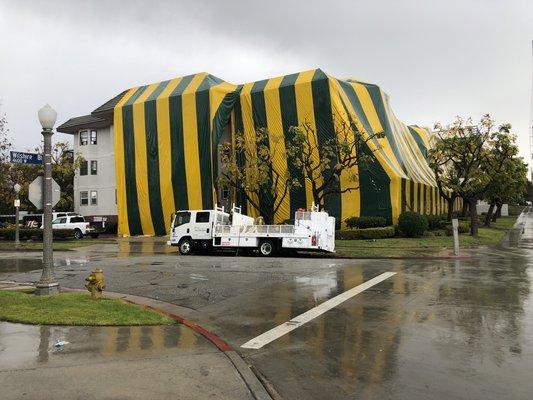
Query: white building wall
<point x="104" y="182"/>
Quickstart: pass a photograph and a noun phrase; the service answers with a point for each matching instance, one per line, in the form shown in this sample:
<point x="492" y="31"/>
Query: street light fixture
<point x="47" y="284"/>
<point x="16" y="188"/>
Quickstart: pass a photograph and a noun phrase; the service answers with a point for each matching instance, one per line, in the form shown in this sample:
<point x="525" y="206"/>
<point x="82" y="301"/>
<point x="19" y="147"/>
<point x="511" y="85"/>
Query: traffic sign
<point x="35" y="192"/>
<point x="26" y="158"/>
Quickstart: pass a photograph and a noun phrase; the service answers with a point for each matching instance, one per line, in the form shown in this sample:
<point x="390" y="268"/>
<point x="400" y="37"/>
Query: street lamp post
<point x="16" y="187"/>
<point x="47" y="284"/>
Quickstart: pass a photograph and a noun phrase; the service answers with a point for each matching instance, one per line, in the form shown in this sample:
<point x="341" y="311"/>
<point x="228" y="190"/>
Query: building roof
<point x="106" y="109"/>
<point x="73" y="125"/>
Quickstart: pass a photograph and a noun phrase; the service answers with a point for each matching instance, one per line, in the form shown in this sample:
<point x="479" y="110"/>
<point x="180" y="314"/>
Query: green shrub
<point x="412" y="224"/>
<point x="435" y="221"/>
<point x="110" y="227"/>
<point x="463" y="227"/>
<point x="365" y="222"/>
<point x="369" y="233"/>
<point x="35" y="234"/>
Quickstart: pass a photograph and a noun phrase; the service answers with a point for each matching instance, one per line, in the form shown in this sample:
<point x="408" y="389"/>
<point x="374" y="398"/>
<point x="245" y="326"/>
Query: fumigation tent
<point x="167" y="133"/>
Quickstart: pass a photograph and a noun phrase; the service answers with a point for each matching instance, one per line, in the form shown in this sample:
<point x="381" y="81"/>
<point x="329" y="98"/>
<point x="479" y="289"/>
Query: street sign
<point x="16" y="203"/>
<point x="35" y="192"/>
<point x="26" y="158"/>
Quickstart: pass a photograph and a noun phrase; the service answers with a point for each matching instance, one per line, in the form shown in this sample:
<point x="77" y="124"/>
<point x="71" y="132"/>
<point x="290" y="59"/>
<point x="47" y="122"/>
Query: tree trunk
<point x="498" y="212"/>
<point x="465" y="208"/>
<point x="488" y="217"/>
<point x="450" y="209"/>
<point x="473" y="217"/>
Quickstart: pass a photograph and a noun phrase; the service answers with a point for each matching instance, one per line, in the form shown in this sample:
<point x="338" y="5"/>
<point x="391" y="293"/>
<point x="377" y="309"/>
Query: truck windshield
<point x="182" y="218"/>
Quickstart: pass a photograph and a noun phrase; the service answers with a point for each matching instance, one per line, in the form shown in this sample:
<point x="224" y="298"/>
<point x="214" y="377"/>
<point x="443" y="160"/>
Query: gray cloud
<point x="435" y="59"/>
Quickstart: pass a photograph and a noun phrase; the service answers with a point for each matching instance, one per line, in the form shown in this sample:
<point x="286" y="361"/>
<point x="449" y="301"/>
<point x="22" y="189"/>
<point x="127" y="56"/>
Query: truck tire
<point x="77" y="234"/>
<point x="266" y="248"/>
<point x="185" y="247"/>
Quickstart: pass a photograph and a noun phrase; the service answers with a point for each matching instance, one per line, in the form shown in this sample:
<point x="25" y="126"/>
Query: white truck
<point x="216" y="229"/>
<point x="77" y="224"/>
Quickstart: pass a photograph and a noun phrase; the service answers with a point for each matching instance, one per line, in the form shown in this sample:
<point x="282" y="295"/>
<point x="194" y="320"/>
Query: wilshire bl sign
<point x="26" y="158"/>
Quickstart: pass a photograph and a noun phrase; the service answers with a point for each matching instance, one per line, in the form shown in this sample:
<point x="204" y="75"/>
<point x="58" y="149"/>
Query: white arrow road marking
<point x="280" y="330"/>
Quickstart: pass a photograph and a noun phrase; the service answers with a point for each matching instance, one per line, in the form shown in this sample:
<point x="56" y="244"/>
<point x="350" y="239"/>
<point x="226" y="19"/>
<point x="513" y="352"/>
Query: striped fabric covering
<point x="166" y="135"/>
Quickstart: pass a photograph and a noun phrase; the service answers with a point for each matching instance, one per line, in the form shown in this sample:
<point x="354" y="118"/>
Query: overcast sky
<point x="435" y="59"/>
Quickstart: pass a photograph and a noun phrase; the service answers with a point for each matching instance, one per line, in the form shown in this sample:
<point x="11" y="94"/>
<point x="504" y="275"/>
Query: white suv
<point x="76" y="222"/>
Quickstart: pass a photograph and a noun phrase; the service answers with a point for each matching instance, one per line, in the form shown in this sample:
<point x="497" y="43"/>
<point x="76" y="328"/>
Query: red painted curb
<point x="213" y="338"/>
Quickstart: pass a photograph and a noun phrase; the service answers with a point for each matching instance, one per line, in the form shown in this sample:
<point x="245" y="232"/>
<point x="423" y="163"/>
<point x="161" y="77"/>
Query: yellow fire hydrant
<point x="95" y="283"/>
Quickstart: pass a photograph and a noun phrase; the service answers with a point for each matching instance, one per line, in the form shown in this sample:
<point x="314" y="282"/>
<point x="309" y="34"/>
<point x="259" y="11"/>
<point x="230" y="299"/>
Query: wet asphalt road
<point x="440" y="329"/>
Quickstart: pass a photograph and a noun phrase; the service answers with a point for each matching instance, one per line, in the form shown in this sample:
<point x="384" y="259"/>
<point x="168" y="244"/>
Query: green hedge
<point x="36" y="234"/>
<point x="463" y="227"/>
<point x="365" y="222"/>
<point x="412" y="224"/>
<point x="436" y="222"/>
<point x="369" y="233"/>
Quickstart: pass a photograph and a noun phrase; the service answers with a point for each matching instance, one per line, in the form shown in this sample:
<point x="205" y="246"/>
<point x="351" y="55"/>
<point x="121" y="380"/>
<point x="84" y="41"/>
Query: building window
<point x="94" y="198"/>
<point x="84" y="198"/>
<point x="84" y="138"/>
<point x="94" y="167"/>
<point x="83" y="168"/>
<point x="93" y="137"/>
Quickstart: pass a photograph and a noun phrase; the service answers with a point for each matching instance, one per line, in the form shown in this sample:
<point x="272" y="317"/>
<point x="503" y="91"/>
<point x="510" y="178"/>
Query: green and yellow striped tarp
<point x="166" y="136"/>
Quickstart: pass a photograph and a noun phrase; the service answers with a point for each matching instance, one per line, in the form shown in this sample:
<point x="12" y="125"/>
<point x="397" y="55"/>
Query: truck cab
<point x="193" y="229"/>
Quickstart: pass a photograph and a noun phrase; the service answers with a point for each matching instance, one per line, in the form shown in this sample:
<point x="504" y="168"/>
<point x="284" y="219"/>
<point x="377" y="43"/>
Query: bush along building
<point x="155" y="149"/>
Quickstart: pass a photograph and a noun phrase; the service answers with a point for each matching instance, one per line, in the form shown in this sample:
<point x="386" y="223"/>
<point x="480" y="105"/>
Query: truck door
<point x="202" y="226"/>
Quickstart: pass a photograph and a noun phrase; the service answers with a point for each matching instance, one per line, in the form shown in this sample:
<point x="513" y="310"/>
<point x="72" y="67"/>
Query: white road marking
<point x="280" y="330"/>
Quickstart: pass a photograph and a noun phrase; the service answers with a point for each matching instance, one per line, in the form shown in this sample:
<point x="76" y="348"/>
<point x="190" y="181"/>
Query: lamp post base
<point x="44" y="289"/>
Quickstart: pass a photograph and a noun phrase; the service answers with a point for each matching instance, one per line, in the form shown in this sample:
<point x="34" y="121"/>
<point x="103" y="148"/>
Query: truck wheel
<point x="185" y="247"/>
<point x="266" y="248"/>
<point x="77" y="234"/>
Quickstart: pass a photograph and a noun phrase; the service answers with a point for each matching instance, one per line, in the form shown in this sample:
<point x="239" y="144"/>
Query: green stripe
<point x="152" y="158"/>
<point x="134" y="220"/>
<point x="204" y="142"/>
<point x="325" y="131"/>
<point x="257" y="95"/>
<point x="179" y="180"/>
<point x="419" y="142"/>
<point x="377" y="99"/>
<point x="220" y="122"/>
<point x="289" y="118"/>
<point x="374" y="188"/>
<point x="240" y="198"/>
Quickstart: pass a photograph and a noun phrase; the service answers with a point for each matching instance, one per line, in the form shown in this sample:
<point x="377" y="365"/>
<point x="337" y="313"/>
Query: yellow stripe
<point x="141" y="167"/>
<point x="351" y="200"/>
<point x="373" y="119"/>
<point x="118" y="132"/>
<point x="249" y="137"/>
<point x="190" y="144"/>
<point x="165" y="153"/>
<point x="306" y="115"/>
<point x="277" y="146"/>
<point x="415" y="197"/>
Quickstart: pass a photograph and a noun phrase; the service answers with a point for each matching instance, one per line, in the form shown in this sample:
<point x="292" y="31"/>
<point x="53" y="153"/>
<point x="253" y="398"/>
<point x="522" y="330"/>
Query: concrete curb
<point x="175" y="312"/>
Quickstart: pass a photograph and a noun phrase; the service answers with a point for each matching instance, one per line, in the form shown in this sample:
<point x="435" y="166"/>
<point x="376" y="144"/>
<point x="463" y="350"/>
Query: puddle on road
<point x="20" y="265"/>
<point x="23" y="346"/>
